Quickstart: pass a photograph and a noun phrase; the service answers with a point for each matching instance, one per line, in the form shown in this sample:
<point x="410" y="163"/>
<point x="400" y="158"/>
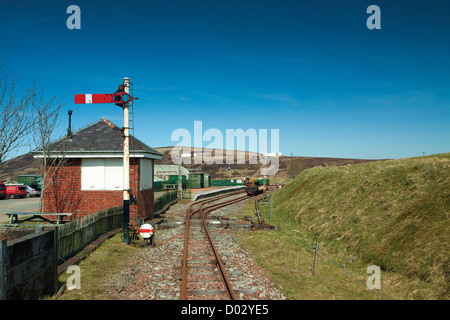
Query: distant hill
<point x="25" y="164"/>
<point x="21" y="165"/>
<point x="220" y="171"/>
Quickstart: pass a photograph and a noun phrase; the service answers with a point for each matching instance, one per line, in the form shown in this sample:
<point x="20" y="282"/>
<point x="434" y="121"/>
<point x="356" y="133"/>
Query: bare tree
<point x="16" y="118"/>
<point x="51" y="152"/>
<point x="29" y="120"/>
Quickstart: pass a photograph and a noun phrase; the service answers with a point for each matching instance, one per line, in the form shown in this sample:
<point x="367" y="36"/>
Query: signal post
<point x="121" y="98"/>
<point x="126" y="164"/>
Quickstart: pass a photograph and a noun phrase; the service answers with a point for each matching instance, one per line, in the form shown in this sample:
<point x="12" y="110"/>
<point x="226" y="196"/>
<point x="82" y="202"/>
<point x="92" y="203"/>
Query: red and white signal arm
<point x="118" y="97"/>
<point x="146" y="231"/>
<point x="94" y="98"/>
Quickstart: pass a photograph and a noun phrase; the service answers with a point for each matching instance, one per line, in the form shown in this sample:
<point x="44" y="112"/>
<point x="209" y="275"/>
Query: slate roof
<point x="101" y="136"/>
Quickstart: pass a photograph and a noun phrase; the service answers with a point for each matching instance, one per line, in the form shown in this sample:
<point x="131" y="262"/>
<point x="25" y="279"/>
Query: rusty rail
<point x="204" y="209"/>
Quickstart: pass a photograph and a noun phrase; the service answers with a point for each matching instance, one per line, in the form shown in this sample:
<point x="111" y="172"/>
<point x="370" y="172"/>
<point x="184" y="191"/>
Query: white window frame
<point x="102" y="174"/>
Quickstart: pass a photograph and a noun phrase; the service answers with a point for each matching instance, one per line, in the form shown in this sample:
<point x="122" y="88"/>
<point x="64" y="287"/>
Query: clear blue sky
<point x="311" y="69"/>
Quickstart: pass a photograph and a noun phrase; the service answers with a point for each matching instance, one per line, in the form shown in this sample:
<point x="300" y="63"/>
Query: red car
<point x="15" y="191"/>
<point x="2" y="191"/>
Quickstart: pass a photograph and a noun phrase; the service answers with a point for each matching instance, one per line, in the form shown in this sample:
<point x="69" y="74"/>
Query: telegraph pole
<point x="126" y="165"/>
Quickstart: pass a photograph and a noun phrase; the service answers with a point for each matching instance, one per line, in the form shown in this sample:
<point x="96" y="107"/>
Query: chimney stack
<point x="69" y="130"/>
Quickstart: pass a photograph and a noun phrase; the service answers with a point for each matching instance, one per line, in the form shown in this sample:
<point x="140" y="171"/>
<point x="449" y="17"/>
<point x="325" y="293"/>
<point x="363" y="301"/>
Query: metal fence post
<point x="3" y="248"/>
<point x="316" y="248"/>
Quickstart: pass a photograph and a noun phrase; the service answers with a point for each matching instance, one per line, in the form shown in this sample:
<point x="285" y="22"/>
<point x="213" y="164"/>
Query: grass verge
<point x="393" y="214"/>
<point x="109" y="259"/>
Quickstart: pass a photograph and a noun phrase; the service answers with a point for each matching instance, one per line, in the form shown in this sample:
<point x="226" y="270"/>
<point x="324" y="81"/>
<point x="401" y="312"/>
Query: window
<point x="102" y="174"/>
<point x="146" y="178"/>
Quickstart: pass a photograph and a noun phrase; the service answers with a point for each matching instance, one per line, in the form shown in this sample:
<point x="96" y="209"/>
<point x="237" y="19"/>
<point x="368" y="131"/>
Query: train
<point x="254" y="186"/>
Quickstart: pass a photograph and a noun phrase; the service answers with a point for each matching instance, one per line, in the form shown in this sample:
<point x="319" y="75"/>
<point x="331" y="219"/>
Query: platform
<point x="198" y="194"/>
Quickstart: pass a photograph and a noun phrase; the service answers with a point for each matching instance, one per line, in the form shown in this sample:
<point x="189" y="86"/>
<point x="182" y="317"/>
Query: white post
<point x="126" y="164"/>
<point x="126" y="144"/>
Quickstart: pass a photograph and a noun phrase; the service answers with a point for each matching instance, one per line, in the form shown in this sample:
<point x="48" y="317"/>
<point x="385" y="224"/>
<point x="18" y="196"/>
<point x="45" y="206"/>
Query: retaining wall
<point x="29" y="265"/>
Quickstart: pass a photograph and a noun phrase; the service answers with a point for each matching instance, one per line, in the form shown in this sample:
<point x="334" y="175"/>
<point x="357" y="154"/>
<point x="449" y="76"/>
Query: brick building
<point x="89" y="175"/>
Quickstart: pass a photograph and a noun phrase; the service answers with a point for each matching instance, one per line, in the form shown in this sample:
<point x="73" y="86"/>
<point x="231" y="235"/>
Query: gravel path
<point x="156" y="276"/>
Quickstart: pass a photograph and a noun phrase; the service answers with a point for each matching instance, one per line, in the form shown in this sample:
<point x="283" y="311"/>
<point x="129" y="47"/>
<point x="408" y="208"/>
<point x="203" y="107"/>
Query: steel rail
<point x="219" y="263"/>
<point x="203" y="212"/>
<point x="190" y="213"/>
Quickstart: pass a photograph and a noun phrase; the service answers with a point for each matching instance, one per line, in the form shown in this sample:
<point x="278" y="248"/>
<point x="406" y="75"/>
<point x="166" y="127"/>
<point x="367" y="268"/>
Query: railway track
<point x="202" y="266"/>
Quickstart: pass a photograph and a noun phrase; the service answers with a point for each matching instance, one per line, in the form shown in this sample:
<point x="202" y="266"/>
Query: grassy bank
<point x="393" y="214"/>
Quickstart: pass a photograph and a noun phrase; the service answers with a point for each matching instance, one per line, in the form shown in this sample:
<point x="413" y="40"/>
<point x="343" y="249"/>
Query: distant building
<point x="164" y="171"/>
<point x="90" y="176"/>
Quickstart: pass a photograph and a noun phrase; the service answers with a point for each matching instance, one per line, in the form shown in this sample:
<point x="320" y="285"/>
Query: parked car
<point x="15" y="191"/>
<point x="32" y="192"/>
<point x="2" y="191"/>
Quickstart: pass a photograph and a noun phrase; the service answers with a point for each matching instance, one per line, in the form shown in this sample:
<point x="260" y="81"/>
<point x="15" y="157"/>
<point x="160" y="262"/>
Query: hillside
<point x="394" y="214"/>
<point x="220" y="171"/>
<point x="21" y="165"/>
<point x="25" y="164"/>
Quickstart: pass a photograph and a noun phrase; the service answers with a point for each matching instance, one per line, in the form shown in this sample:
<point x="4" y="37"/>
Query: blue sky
<point x="311" y="69"/>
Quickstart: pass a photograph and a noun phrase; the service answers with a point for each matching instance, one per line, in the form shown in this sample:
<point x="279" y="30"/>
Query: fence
<point x="157" y="185"/>
<point x="161" y="201"/>
<point x="268" y="199"/>
<point x="68" y="240"/>
<point x="220" y="183"/>
<point x="75" y="235"/>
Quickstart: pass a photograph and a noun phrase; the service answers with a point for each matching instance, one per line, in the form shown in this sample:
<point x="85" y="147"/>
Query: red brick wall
<point x="64" y="194"/>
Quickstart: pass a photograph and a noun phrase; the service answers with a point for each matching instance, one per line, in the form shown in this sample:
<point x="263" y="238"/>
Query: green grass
<point x="109" y="260"/>
<point x="394" y="214"/>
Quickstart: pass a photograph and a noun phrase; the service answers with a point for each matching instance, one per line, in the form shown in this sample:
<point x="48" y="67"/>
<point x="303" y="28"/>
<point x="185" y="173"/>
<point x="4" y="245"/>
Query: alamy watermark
<point x="74" y="20"/>
<point x="190" y="147"/>
<point x="374" y="281"/>
<point x="74" y="281"/>
<point x="374" y="21"/>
